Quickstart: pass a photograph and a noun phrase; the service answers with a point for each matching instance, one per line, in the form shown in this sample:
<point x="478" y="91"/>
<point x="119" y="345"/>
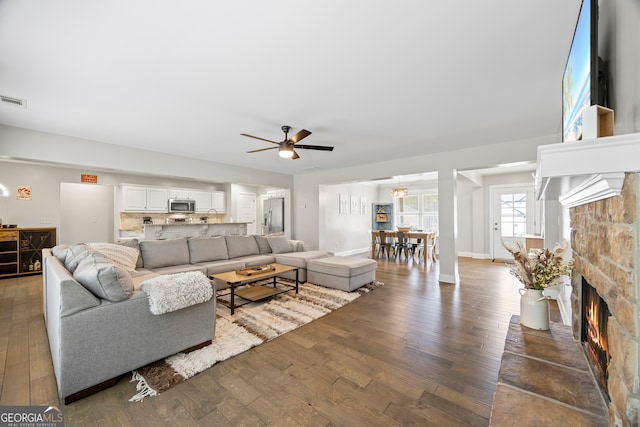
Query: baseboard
<point x="354" y="252"/>
<point x="449" y="278"/>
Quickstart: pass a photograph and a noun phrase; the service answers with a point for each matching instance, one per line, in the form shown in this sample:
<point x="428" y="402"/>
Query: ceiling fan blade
<point x="261" y="149"/>
<point x="299" y="136"/>
<point x="315" y="147"/>
<point x="295" y="155"/>
<point x="261" y="139"/>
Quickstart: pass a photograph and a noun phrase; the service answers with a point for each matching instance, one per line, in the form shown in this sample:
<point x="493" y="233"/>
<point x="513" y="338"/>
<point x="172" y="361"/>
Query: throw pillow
<point x="238" y="246"/>
<point x="263" y="244"/>
<point x="164" y="253"/>
<point x="280" y="244"/>
<point x="135" y="244"/>
<point x="76" y="254"/>
<point x="104" y="279"/>
<point x="118" y="254"/>
<point x="203" y="249"/>
<point x="60" y="252"/>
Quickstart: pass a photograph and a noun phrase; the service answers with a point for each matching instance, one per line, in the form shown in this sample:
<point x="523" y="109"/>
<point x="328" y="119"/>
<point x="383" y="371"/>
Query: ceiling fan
<point x="286" y="147"/>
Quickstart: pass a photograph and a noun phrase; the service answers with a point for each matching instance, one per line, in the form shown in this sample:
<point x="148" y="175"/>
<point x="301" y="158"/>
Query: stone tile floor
<point x="545" y="380"/>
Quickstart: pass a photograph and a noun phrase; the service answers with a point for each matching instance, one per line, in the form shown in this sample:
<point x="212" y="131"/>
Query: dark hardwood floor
<point x="412" y="352"/>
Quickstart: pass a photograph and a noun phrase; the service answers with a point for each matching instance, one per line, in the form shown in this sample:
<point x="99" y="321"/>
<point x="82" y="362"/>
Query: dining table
<point x="429" y="238"/>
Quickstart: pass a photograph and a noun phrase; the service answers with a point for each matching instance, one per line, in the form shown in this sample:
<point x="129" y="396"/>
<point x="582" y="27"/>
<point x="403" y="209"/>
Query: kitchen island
<point x="177" y="230"/>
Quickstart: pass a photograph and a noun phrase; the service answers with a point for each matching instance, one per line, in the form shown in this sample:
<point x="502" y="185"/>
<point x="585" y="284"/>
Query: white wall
<point x="346" y="233"/>
<point x="306" y="186"/>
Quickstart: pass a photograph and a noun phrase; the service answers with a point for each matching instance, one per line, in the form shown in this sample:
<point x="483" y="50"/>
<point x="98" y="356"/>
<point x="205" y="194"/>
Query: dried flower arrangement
<point x="539" y="268"/>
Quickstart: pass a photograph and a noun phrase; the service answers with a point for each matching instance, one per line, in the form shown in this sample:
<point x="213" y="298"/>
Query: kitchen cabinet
<point x="203" y="201"/>
<point x="21" y="250"/>
<point x="139" y="198"/>
<point x="136" y="198"/>
<point x="209" y="201"/>
<point x="178" y="193"/>
<point x="157" y="199"/>
<point x="217" y="201"/>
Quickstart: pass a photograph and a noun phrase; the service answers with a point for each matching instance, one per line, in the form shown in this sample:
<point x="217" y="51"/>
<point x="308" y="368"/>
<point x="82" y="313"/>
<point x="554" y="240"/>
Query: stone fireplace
<point x="606" y="250"/>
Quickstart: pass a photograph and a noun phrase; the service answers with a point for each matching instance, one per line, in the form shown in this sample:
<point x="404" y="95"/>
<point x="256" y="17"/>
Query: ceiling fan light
<point x="285" y="151"/>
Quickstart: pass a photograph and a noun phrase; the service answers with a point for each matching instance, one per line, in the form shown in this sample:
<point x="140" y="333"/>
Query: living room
<point x="42" y="155"/>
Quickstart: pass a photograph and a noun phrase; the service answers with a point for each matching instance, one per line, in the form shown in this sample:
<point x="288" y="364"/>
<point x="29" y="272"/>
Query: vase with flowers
<point x="537" y="269"/>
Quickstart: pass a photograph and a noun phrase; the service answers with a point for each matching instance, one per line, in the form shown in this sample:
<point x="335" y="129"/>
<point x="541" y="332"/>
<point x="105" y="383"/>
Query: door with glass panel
<point x="514" y="213"/>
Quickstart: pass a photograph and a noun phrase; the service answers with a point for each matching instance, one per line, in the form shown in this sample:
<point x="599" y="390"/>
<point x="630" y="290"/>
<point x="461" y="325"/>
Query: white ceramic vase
<point x="534" y="309"/>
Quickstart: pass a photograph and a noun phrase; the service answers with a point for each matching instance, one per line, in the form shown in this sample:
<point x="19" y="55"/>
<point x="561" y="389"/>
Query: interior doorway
<point x="247" y="211"/>
<point x="86" y="213"/>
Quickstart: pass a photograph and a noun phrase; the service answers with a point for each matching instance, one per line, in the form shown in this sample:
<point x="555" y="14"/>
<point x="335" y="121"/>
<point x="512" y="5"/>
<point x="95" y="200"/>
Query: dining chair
<point x="400" y="246"/>
<point x="416" y="248"/>
<point x="384" y="245"/>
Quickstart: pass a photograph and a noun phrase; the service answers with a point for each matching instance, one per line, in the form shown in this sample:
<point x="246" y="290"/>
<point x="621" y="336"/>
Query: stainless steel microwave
<point x="181" y="206"/>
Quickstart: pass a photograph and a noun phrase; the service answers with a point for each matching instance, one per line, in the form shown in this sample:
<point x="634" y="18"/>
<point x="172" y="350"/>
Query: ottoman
<point x="341" y="272"/>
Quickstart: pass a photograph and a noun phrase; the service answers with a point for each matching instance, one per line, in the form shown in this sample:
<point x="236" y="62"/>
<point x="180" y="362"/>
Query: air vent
<point x="14" y="102"/>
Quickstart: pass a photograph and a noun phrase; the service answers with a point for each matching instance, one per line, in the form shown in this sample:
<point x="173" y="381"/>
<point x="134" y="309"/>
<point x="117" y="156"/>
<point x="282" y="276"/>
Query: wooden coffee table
<point x="256" y="293"/>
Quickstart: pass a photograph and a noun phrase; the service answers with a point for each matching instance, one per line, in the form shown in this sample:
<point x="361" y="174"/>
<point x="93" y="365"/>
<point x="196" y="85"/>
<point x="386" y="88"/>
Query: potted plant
<point x="537" y="269"/>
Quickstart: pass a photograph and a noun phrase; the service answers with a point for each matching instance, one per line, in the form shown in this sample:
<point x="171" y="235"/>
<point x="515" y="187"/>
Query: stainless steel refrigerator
<point x="273" y="216"/>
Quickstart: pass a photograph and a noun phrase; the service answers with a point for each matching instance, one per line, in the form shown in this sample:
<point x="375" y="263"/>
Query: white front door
<point x="247" y="211"/>
<point x="513" y="214"/>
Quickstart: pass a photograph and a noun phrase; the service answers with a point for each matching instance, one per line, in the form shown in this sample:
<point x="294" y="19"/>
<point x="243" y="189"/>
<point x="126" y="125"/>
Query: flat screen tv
<point x="580" y="79"/>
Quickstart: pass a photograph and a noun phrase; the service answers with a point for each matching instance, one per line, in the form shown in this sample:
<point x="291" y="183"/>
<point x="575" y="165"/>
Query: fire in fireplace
<point x="595" y="314"/>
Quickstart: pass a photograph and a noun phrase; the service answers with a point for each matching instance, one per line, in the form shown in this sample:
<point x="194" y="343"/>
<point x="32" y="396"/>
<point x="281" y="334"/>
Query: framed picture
<point x="343" y="207"/>
<point x="355" y="204"/>
<point x="363" y="205"/>
<point x="24" y="192"/>
<point x="381" y="217"/>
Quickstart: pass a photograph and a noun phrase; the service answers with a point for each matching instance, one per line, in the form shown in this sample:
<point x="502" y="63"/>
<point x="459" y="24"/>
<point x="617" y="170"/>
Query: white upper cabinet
<point x="203" y="201"/>
<point x="217" y="201"/>
<point x="134" y="198"/>
<point x="157" y="199"/>
<point x="180" y="193"/>
<point x="137" y="198"/>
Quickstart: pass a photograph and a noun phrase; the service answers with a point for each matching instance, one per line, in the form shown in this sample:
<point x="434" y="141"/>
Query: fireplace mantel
<point x="584" y="171"/>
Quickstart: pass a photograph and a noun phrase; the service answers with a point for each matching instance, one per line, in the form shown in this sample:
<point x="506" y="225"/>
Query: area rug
<point x="250" y="326"/>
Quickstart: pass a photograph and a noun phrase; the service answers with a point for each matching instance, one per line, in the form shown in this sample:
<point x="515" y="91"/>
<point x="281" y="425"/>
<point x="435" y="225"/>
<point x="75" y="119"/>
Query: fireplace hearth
<point x="595" y="315"/>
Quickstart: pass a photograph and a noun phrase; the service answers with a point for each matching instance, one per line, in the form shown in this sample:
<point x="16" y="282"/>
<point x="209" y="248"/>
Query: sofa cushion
<point x="238" y="246"/>
<point x="180" y="268"/>
<point x="280" y="244"/>
<point x="263" y="244"/>
<point x="203" y="249"/>
<point x="164" y="253"/>
<point x="103" y="278"/>
<point x="299" y="259"/>
<point x="120" y="255"/>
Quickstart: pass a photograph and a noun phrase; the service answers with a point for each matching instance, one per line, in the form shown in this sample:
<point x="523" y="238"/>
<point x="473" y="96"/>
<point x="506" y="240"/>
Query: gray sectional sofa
<point x="98" y="319"/>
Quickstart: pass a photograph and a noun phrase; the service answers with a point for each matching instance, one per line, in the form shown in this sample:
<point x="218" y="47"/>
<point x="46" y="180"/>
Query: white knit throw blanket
<point x="171" y="292"/>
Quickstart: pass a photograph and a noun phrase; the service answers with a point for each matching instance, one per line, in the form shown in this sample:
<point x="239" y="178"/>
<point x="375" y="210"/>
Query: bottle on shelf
<point x="37" y="265"/>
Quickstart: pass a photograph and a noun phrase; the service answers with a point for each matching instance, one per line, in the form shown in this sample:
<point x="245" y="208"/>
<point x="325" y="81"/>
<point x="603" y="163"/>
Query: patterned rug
<point x="251" y="325"/>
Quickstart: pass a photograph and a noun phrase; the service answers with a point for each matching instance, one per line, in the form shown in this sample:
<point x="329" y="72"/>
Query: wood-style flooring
<point x="412" y="352"/>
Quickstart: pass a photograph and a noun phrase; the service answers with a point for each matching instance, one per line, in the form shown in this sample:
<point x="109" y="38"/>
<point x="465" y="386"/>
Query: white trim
<point x="449" y="278"/>
<point x="596" y="187"/>
<point x="587" y="158"/>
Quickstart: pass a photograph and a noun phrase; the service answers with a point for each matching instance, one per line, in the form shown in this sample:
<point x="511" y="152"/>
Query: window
<point x="513" y="214"/>
<point x="420" y="212"/>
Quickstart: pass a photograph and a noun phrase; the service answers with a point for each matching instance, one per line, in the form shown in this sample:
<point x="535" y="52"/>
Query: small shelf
<point x="382" y="216"/>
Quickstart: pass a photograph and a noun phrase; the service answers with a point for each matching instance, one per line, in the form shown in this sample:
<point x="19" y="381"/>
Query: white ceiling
<point x="376" y="79"/>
